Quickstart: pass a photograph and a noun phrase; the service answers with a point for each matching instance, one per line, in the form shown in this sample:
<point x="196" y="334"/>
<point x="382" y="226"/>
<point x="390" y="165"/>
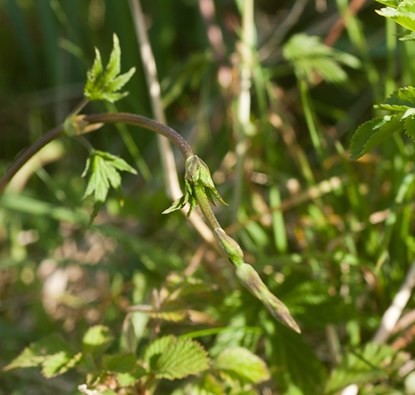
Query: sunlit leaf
<point x="242" y="364"/>
<point x="373" y="132"/>
<point x="59" y="363"/>
<point x="51" y="353"/>
<point x="400" y="100"/>
<point x="174" y="358"/>
<point x="97" y="338"/>
<point x="402" y="13"/>
<point x="105" y="84"/>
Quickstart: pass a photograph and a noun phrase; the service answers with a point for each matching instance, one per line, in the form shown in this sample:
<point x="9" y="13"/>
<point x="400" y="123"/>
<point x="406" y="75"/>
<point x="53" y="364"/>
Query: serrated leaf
<point x="370" y="364"/>
<point x="59" y="363"/>
<point x="242" y="364"/>
<point x="104" y="169"/>
<point x="106" y="84"/>
<point x="409" y="124"/>
<point x="175" y="358"/>
<point x="310" y="57"/>
<point x="403" y="13"/>
<point x="390" y="3"/>
<point x="51" y="353"/>
<point x="372" y="133"/>
<point x="97" y="338"/>
<point x="400" y="100"/>
<point x="408" y="37"/>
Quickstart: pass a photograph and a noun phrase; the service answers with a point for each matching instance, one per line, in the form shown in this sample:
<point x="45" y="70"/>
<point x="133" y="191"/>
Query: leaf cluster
<point x="103" y="171"/>
<point x="312" y="59"/>
<point x="401" y="118"/>
<point x="402" y="12"/>
<point x="106" y="83"/>
<point x="168" y="358"/>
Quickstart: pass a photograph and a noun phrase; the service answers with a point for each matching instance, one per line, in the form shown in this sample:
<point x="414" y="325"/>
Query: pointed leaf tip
<point x="106" y="84"/>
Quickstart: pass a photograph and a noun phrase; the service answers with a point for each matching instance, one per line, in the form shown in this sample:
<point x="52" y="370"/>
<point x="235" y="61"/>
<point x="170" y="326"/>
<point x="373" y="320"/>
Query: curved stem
<point x="127" y="118"/>
<point x="146" y="123"/>
<point x="28" y="153"/>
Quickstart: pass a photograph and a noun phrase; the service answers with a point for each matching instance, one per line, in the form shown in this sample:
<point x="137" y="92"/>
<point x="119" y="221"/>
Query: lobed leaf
<point x="370" y="364"/>
<point x="409" y="125"/>
<point x="372" y="133"/>
<point x="175" y="358"/>
<point x="104" y="169"/>
<point x="105" y="84"/>
<point x="312" y="58"/>
<point x="403" y="13"/>
<point x="400" y="100"/>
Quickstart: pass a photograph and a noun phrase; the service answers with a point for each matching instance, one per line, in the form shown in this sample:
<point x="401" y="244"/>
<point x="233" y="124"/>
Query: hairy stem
<point x="146" y="123"/>
<point x="127" y="118"/>
<point x="206" y="208"/>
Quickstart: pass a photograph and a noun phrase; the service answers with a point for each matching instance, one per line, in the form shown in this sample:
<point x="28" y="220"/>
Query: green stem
<point x="206" y="207"/>
<point x="28" y="153"/>
<point x="308" y="113"/>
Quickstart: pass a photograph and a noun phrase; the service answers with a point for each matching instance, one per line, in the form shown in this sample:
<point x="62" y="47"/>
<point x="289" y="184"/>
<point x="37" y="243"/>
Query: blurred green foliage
<point x="331" y="237"/>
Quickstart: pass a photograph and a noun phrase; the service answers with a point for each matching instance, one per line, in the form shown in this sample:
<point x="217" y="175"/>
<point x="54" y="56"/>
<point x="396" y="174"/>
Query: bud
<point x="251" y="280"/>
<point x="198" y="174"/>
<point x="75" y="125"/>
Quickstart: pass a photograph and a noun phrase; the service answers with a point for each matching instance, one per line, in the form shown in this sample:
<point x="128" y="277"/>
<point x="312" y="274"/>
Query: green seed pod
<point x="230" y="247"/>
<point x="253" y="282"/>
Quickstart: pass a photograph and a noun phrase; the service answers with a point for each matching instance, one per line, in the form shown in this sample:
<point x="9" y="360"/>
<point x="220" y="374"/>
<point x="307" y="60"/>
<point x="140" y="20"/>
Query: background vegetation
<point x="331" y="237"/>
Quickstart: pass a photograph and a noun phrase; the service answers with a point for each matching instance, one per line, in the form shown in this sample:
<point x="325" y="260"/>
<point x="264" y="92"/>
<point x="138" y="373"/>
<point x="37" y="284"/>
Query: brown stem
<point x="127" y="118"/>
<point x="146" y="123"/>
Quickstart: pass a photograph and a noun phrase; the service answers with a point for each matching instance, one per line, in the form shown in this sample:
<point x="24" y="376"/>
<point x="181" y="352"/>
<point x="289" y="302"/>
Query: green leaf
<point x="390" y="3"/>
<point x="51" y="353"/>
<point x="174" y="358"/>
<point x="409" y="124"/>
<point x="197" y="176"/>
<point x="402" y="13"/>
<point x="103" y="169"/>
<point x="242" y="364"/>
<point x="408" y="37"/>
<point x="97" y="338"/>
<point x="372" y="133"/>
<point x="59" y="363"/>
<point x="370" y="364"/>
<point x="400" y="100"/>
<point x="300" y="365"/>
<point x="106" y="84"/>
<point x="120" y="363"/>
<point x="128" y="372"/>
<point x="208" y="385"/>
<point x="312" y="58"/>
